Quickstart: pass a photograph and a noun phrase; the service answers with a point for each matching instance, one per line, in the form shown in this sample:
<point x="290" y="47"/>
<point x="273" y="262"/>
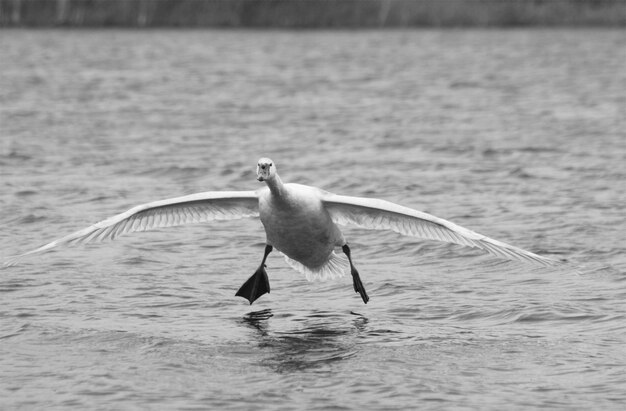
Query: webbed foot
<point x="259" y="283"/>
<point x="256" y="286"/>
<point x="356" y="279"/>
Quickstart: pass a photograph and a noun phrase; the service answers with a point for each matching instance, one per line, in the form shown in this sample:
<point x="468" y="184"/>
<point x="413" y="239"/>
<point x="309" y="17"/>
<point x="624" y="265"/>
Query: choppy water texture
<point x="515" y="134"/>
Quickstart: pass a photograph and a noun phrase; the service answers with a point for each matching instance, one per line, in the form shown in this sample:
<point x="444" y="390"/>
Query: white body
<point x="297" y="224"/>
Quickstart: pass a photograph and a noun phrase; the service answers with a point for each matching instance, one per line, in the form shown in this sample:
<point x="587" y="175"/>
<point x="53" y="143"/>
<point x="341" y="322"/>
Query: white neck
<point x="275" y="184"/>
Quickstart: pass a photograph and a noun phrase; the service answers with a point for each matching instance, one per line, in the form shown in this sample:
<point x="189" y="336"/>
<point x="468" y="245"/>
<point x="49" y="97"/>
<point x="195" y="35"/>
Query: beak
<point x="260" y="178"/>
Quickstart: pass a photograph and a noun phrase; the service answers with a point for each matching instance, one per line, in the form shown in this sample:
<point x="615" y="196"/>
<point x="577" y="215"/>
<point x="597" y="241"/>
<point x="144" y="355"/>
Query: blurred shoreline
<point x="312" y="13"/>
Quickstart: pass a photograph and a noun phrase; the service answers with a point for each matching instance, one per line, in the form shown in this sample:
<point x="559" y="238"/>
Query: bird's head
<point x="265" y="169"/>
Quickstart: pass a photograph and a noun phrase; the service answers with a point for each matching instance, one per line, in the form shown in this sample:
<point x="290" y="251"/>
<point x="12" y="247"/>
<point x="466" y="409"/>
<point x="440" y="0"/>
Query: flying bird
<point x="299" y="220"/>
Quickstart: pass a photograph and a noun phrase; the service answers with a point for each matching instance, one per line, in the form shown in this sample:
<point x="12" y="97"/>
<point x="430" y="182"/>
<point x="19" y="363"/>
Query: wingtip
<point x="556" y="263"/>
<point x="10" y="262"/>
<point x="552" y="261"/>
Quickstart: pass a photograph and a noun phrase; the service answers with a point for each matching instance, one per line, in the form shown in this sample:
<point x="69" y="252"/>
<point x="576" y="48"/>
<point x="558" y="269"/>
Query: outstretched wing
<point x="383" y="215"/>
<point x="193" y="208"/>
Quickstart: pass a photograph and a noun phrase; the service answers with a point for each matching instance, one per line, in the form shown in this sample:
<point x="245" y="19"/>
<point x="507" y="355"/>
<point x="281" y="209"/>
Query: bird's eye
<point x="271" y="164"/>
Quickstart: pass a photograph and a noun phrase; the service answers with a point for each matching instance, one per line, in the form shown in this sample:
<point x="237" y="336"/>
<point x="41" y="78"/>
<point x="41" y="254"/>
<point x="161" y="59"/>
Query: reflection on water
<point x="320" y="339"/>
<point x="258" y="320"/>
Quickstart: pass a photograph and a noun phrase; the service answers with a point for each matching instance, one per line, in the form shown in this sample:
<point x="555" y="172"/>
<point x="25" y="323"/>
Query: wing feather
<point x="384" y="215"/>
<point x="194" y="208"/>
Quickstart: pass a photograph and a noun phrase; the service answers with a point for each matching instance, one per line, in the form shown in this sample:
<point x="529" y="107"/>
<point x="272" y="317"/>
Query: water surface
<point x="516" y="134"/>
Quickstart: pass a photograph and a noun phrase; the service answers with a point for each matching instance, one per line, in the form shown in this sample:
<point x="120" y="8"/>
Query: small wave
<point x="16" y="285"/>
<point x="514" y="315"/>
<point x="185" y="304"/>
<point x="146" y="316"/>
<point x="492" y="152"/>
<point x="388" y="289"/>
<point x="29" y="219"/>
<point x="15" y="156"/>
<point x="138" y="260"/>
<point x="531" y="149"/>
<point x="552" y="316"/>
<point x="520" y="173"/>
<point x="25" y="193"/>
<point x="16" y="332"/>
<point x="465" y="84"/>
<point x="99" y="199"/>
<point x="175" y="172"/>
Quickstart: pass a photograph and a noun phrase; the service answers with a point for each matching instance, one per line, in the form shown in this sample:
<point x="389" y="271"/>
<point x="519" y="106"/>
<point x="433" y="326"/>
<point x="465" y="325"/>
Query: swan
<point x="300" y="221"/>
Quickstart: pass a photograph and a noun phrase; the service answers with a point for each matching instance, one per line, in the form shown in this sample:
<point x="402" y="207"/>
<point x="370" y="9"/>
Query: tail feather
<point x="336" y="267"/>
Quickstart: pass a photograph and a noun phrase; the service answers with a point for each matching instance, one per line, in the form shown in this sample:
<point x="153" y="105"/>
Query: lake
<point x="516" y="134"/>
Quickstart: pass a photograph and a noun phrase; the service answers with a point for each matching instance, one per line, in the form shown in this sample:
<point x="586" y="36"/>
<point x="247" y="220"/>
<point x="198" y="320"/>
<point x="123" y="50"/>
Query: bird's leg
<point x="258" y="284"/>
<point x="358" y="285"/>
